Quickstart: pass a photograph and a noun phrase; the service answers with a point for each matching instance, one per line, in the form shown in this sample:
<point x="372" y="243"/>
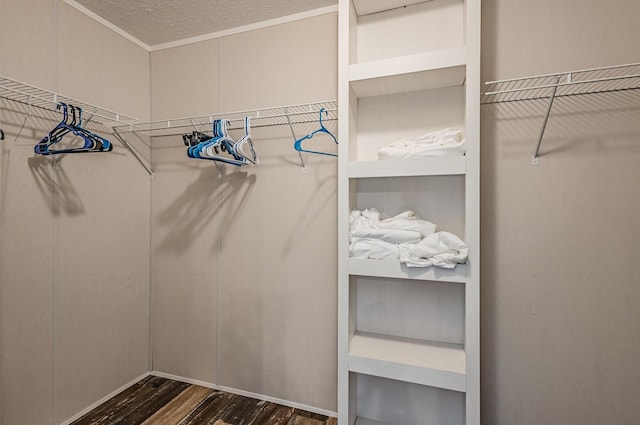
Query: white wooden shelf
<point x="423" y="71"/>
<point x="433" y="166"/>
<point x="367" y="7"/>
<point x="434" y="364"/>
<point x="396" y="270"/>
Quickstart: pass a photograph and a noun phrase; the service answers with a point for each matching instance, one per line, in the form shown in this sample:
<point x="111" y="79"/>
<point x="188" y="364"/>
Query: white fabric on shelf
<point x="404" y="237"/>
<point x="374" y="249"/>
<point x="442" y="249"/>
<point x="371" y="219"/>
<point x="448" y="141"/>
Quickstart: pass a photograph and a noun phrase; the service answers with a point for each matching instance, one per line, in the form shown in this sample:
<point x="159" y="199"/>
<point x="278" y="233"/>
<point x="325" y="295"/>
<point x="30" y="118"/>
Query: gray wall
<point x="244" y="264"/>
<point x="74" y="235"/>
<point x="561" y="263"/>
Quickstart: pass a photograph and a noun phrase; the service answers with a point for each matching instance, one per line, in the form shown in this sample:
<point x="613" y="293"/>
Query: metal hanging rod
<point x="616" y="78"/>
<point x="265" y="117"/>
<point x="27" y="94"/>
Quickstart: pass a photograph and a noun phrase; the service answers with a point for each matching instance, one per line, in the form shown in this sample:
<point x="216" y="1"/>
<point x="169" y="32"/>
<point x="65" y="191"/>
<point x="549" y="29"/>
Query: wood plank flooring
<point x="161" y="401"/>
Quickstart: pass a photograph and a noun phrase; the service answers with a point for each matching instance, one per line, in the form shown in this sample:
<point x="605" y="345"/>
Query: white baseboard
<point x="246" y="394"/>
<point x="103" y="399"/>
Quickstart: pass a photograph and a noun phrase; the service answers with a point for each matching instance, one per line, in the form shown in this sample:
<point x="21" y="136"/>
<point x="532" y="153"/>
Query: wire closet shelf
<point x="29" y="95"/>
<point x="582" y="82"/>
<point x="265" y="117"/>
<point x="595" y="81"/>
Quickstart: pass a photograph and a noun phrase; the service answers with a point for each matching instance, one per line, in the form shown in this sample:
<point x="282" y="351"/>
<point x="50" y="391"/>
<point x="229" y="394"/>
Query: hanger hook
<point x="65" y="115"/>
<point x="80" y="116"/>
<point x="321" y="111"/>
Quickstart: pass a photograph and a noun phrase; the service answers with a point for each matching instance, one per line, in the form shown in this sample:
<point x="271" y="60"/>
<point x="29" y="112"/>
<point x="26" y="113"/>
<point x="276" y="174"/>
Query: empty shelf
<point x="434" y="166"/>
<point x="434" y="364"/>
<point x="395" y="270"/>
<point x="431" y="70"/>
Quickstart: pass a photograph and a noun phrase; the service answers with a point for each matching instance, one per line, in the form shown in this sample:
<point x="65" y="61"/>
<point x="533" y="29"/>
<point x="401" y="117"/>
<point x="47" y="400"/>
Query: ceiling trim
<point x="108" y="24"/>
<point x="251" y="27"/>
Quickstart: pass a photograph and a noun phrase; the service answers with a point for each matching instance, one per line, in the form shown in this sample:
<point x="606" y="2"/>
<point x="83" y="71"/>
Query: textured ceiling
<point x="161" y="21"/>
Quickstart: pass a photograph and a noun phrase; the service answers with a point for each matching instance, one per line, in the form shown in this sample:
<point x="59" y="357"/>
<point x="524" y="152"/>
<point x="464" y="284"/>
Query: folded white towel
<point x="448" y="141"/>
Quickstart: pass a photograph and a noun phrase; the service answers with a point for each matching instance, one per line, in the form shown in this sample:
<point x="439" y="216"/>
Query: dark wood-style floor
<point x="161" y="401"/>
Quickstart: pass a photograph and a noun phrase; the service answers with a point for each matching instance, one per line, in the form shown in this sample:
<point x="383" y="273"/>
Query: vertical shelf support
<point x="535" y="160"/>
<point x="293" y="134"/>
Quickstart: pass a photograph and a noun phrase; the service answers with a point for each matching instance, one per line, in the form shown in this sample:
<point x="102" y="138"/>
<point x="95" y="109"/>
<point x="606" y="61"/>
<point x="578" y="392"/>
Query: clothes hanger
<point x="194" y="138"/>
<point x="198" y="141"/>
<point x="213" y="148"/>
<point x="92" y="142"/>
<point x="239" y="146"/>
<point x="59" y="130"/>
<point x="57" y="133"/>
<point x="227" y="144"/>
<point x="298" y="143"/>
<point x="102" y="144"/>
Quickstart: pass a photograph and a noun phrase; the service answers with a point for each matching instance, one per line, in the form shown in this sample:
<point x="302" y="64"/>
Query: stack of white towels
<point x="404" y="237"/>
<point x="448" y="141"/>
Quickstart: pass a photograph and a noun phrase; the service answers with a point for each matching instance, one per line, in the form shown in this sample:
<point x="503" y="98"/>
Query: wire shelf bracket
<point x="617" y="78"/>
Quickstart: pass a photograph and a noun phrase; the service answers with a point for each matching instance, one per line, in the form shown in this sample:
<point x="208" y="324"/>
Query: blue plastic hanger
<point x="92" y="142"/>
<point x="199" y="140"/>
<point x="298" y="143"/>
<point x="213" y="148"/>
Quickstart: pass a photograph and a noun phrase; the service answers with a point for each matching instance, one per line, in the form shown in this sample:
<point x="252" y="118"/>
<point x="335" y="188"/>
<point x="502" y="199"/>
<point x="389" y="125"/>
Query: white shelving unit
<point x="408" y="337"/>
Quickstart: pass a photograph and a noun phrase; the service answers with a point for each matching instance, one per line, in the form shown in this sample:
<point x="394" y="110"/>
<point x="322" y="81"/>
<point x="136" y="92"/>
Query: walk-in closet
<point x="319" y="212"/>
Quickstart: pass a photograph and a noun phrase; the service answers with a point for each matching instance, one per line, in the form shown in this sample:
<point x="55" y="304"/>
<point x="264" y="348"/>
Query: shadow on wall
<point x="315" y="208"/>
<point x="54" y="184"/>
<point x="198" y="205"/>
<point x="318" y="181"/>
<point x="26" y="127"/>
